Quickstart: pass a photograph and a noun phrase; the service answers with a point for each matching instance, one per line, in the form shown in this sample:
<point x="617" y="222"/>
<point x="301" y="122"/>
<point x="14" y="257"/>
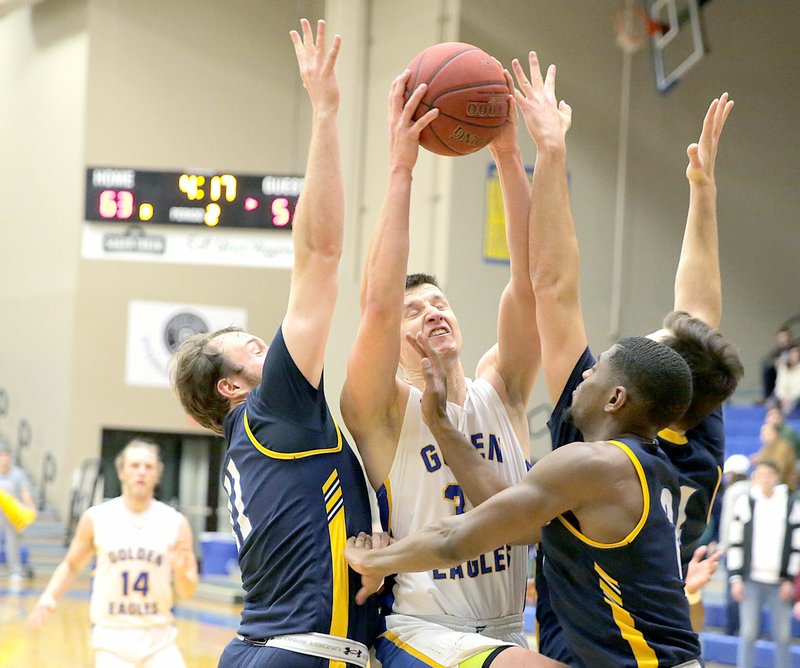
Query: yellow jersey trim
<point x="673" y="437"/>
<point x="408" y="649"/>
<point x="645" y="507"/>
<point x="388" y="486"/>
<point x="644" y="654"/>
<point x="714" y="495"/>
<point x="337" y="530"/>
<point x="292" y="455"/>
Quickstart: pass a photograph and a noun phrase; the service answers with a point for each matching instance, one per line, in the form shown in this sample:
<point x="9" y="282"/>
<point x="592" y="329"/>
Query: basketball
<point x="468" y="87"/>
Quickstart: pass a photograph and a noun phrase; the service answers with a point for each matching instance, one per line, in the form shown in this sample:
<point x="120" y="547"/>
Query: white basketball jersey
<point x="132" y="583"/>
<point x="421" y="488"/>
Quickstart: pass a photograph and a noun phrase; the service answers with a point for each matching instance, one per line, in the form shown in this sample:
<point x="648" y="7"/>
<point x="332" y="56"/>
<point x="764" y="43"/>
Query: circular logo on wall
<point x="180" y="327"/>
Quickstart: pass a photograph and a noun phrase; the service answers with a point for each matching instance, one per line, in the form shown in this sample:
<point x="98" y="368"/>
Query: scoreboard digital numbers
<point x="197" y="198"/>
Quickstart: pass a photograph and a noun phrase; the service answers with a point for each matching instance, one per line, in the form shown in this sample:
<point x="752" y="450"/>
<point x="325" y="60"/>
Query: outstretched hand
<point x="703" y="154"/>
<point x="317" y="65"/>
<point x="701" y="568"/>
<point x="547" y="119"/>
<point x="354" y="552"/>
<point x="404" y="131"/>
<point x="434" y="398"/>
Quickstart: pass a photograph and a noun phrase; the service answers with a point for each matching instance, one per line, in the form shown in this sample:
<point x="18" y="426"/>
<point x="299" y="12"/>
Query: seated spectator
<point x="736" y="483"/>
<point x="769" y="367"/>
<point x="775" y="417"/>
<point x="780" y="451"/>
<point x="787" y="380"/>
<point x="762" y="561"/>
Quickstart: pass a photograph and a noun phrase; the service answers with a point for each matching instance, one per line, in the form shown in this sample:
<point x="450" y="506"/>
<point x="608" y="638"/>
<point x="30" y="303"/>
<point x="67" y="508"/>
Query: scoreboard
<point x="191" y="197"/>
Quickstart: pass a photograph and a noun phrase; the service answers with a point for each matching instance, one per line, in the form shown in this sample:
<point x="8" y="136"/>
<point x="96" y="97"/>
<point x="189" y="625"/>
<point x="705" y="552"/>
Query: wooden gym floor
<point x="204" y="628"/>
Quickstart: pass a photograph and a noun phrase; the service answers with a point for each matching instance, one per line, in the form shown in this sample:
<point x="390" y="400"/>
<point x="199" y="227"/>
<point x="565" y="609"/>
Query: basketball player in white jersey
<point x="471" y="612"/>
<point x="144" y="551"/>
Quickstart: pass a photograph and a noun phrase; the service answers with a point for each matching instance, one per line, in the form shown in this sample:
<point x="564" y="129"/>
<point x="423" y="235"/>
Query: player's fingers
<point x="415" y="344"/>
<point x="410" y="107"/>
<point x="295" y="37"/>
<point x="693" y="152"/>
<point x="380" y="539"/>
<point x="308" y="37"/>
<point x="396" y="93"/>
<point x="522" y="79"/>
<point x="550" y="79"/>
<point x="723" y="116"/>
<point x="536" y="71"/>
<point x="565" y="110"/>
<point x="333" y="54"/>
<point x="699" y="553"/>
<point x="708" y="122"/>
<point x="320" y="41"/>
<point x="425" y="120"/>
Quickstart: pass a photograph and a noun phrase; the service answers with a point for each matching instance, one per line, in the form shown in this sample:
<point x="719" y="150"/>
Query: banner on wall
<point x="495" y="248"/>
<point x="156" y="330"/>
<point x="236" y="248"/>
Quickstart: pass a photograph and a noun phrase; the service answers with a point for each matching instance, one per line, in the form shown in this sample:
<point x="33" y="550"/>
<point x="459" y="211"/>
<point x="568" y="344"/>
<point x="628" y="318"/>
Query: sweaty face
<point x="140" y="472"/>
<point x="246" y="352"/>
<point x="426" y="310"/>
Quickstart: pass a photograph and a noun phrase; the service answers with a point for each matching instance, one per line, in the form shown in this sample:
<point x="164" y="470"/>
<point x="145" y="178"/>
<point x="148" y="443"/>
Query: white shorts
<point x="435" y="645"/>
<point x="136" y="647"/>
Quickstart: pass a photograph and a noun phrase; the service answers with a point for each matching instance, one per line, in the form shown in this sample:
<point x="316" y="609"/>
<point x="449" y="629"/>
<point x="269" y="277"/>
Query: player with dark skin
<point x="606" y="405"/>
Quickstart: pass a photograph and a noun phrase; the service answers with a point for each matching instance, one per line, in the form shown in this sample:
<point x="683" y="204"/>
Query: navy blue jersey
<point x="622" y="605"/>
<point x="296" y="492"/>
<point x="698" y="458"/>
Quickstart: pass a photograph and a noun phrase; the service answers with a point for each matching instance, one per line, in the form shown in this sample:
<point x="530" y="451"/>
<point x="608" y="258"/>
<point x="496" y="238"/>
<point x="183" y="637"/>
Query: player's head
<point x="426" y="310"/>
<point x="793" y="355"/>
<point x="5" y="454"/>
<point x="766" y="476"/>
<point x="212" y="373"/>
<point x="139" y="468"/>
<point x="714" y="361"/>
<point x="638" y="386"/>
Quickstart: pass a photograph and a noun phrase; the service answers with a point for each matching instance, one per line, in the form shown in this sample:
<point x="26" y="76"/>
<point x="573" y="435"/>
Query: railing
<point x="88" y="480"/>
<point x="49" y="470"/>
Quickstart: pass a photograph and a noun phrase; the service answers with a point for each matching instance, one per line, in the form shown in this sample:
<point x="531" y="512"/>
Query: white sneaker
<point x="15" y="583"/>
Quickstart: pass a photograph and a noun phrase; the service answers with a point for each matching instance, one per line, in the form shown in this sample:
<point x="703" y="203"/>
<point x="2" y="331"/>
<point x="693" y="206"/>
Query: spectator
<point x="783" y="339"/>
<point x="736" y="481"/>
<point x="787" y="381"/>
<point x="775" y="417"/>
<point x="13" y="481"/>
<point x="780" y="451"/>
<point x="762" y="561"/>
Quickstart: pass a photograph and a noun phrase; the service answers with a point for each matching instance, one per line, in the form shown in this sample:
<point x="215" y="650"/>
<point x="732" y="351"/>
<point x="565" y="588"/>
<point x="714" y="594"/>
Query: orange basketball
<point x="468" y="88"/>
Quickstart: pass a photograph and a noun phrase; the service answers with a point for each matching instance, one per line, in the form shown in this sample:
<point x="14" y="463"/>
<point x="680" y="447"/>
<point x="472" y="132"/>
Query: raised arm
<point x="369" y="401"/>
<point x="698" y="287"/>
<point x="512" y="364"/>
<point x="555" y="261"/>
<point x="80" y="552"/>
<point x="319" y="218"/>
